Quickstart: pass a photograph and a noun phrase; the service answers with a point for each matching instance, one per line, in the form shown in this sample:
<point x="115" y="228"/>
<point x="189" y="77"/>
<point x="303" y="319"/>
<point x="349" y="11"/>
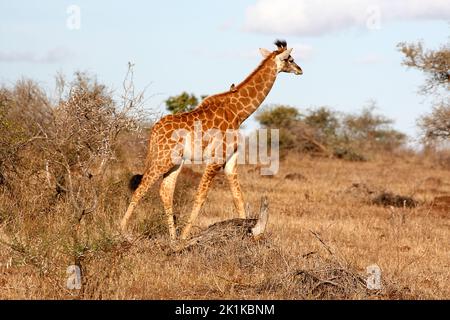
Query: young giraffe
<point x="223" y="112"/>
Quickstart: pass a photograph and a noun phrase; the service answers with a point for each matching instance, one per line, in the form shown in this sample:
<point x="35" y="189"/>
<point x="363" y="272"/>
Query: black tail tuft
<point x="135" y="181"/>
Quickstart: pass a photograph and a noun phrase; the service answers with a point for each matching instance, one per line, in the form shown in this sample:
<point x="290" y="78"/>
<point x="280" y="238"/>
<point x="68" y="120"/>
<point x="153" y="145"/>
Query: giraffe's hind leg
<point x="149" y="178"/>
<point x="209" y="174"/>
<point x="166" y="193"/>
<point x="232" y="177"/>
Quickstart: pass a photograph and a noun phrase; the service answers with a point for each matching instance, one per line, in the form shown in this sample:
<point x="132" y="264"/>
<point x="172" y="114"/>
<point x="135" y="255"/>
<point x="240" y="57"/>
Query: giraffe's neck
<point x="251" y="92"/>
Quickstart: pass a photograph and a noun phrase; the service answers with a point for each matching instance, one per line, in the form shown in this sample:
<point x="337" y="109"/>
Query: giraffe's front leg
<point x="209" y="174"/>
<point x="166" y="193"/>
<point x="232" y="177"/>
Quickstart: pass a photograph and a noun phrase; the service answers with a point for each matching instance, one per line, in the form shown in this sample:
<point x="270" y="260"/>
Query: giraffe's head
<point x="283" y="58"/>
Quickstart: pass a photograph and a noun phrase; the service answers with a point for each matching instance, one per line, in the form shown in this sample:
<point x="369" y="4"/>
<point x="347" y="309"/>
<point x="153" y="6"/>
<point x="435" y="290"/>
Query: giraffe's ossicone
<point x="218" y="113"/>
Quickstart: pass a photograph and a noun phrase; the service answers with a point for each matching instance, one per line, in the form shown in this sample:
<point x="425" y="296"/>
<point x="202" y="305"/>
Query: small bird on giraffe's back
<point x="223" y="111"/>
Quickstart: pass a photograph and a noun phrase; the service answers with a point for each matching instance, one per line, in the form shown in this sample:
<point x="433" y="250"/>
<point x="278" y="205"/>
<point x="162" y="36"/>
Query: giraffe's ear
<point x="264" y="52"/>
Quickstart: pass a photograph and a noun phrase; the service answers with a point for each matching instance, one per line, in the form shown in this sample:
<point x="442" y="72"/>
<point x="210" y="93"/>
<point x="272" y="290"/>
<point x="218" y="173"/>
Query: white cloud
<point x="317" y="17"/>
<point x="54" y="55"/>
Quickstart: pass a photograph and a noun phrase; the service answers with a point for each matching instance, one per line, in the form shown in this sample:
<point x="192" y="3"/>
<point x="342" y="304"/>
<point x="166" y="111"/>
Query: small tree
<point x="436" y="65"/>
<point x="181" y="103"/>
<point x="83" y="137"/>
<point x="325" y="121"/>
<point x="24" y="110"/>
<point x="369" y="131"/>
<point x="283" y="118"/>
<point x="436" y="125"/>
<point x="279" y="116"/>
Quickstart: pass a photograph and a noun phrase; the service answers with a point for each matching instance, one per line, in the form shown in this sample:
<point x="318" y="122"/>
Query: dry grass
<point x="322" y="234"/>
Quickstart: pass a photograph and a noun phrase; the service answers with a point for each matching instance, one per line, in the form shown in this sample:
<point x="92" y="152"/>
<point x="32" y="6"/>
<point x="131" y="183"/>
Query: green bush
<point x="181" y="103"/>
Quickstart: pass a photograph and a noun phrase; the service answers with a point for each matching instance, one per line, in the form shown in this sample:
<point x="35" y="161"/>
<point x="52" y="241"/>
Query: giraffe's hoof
<point x="125" y="233"/>
<point x="184" y="235"/>
<point x="127" y="236"/>
<point x="177" y="246"/>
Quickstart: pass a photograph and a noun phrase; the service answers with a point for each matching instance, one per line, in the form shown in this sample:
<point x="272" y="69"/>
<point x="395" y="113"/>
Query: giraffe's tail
<point x="135" y="181"/>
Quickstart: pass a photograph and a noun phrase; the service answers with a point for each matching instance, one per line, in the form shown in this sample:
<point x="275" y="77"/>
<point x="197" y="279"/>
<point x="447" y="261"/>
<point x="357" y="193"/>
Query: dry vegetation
<point x="329" y="218"/>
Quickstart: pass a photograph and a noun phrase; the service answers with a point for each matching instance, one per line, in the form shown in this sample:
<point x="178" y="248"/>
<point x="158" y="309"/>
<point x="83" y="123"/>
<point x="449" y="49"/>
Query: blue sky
<point x="347" y="49"/>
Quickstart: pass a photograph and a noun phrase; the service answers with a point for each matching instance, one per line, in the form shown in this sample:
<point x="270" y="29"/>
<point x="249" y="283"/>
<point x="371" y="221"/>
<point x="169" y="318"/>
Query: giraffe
<point x="223" y="111"/>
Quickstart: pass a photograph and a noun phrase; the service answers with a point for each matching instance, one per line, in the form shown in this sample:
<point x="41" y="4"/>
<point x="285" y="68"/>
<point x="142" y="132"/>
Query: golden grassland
<point x="323" y="231"/>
